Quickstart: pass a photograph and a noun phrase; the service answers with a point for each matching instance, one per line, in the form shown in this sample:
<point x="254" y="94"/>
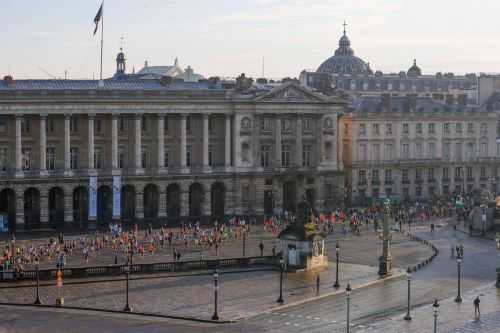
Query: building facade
<point x="353" y="75"/>
<point x="416" y="148"/>
<point x="179" y="150"/>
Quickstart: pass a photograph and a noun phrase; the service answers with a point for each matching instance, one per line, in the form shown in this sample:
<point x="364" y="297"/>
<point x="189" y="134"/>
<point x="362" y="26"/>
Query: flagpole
<point x="102" y="35"/>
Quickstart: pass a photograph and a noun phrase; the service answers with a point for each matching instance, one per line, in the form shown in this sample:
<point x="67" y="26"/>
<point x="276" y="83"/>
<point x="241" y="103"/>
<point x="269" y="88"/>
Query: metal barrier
<point x="150" y="268"/>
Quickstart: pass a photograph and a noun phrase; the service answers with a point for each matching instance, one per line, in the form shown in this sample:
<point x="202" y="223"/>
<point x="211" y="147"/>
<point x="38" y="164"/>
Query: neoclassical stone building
<point x="416" y="148"/>
<point x="156" y="150"/>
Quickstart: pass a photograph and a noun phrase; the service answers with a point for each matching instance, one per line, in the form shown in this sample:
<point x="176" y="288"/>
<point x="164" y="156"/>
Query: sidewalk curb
<point x="398" y="275"/>
<point x="138" y="314"/>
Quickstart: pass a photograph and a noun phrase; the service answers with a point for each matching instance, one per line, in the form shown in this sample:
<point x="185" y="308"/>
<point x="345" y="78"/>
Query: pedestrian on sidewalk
<point x="274" y="250"/>
<point x="477" y="312"/>
<point x="261" y="247"/>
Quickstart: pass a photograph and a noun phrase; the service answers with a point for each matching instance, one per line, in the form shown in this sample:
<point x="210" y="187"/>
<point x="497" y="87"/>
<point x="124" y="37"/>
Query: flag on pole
<point x="97" y="18"/>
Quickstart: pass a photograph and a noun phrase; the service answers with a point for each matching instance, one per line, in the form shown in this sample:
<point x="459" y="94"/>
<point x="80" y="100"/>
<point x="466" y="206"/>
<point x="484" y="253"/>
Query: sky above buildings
<point x="228" y="37"/>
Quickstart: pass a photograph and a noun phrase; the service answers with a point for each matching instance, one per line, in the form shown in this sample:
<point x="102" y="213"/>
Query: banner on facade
<point x="117" y="190"/>
<point x="92" y="198"/>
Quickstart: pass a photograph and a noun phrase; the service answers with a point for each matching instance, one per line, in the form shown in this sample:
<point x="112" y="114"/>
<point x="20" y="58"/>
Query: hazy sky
<point x="228" y="37"/>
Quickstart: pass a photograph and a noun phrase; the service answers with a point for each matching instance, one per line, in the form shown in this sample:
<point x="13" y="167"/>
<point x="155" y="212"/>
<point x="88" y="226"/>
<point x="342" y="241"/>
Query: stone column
<point x="44" y="205"/>
<point x="90" y="147"/>
<point x="139" y="202"/>
<point x="19" y="145"/>
<point x="67" y="146"/>
<point x="68" y="206"/>
<point x="114" y="145"/>
<point x="20" y="207"/>
<point x="161" y="143"/>
<point x="298" y="150"/>
<point x="183" y="141"/>
<point x="206" y="166"/>
<point x="227" y="145"/>
<point x="277" y="135"/>
<point x="138" y="148"/>
<point x="43" y="145"/>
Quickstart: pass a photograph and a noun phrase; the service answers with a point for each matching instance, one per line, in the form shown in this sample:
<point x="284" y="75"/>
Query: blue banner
<point x="92" y="198"/>
<point x="117" y="190"/>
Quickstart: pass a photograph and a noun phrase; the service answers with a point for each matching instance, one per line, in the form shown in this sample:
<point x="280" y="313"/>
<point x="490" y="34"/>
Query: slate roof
<point x="402" y="104"/>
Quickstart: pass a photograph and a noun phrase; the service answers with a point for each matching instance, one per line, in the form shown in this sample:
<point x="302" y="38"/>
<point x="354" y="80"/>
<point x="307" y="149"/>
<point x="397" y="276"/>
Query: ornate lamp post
<point x="435" y="307"/>
<point x="37" y="300"/>
<point x="280" y="299"/>
<point x="385" y="260"/>
<point x="337" y="252"/>
<point x="458" y="299"/>
<point x="216" y="289"/>
<point x="348" y="303"/>
<point x="127" y="307"/>
<point x="408" y="278"/>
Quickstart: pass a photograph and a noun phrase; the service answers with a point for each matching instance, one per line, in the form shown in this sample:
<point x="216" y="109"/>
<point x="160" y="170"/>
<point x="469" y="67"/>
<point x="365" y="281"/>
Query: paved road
<point x="328" y="315"/>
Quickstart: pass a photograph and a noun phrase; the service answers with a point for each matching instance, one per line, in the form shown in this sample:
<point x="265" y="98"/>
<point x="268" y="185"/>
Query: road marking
<point x="317" y="318"/>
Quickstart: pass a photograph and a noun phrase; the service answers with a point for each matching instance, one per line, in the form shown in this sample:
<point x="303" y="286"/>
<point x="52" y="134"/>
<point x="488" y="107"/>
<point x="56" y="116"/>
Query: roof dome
<point x="414" y="70"/>
<point x="344" y="61"/>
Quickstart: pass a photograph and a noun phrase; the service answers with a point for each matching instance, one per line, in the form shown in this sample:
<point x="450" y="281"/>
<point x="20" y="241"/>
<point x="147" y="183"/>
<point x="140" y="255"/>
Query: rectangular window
<point x="307" y="125"/>
<point x="446" y="174"/>
<point x="375" y="176"/>
<point x="121" y="158"/>
<point x="362" y="176"/>
<point x="469" y="150"/>
<point x="306" y="155"/>
<point x="458" y="172"/>
<point x="73" y="124"/>
<point x="405" y="176"/>
<point x="458" y="151"/>
<point x="210" y="155"/>
<point x="469" y="172"/>
<point x="363" y="152"/>
<point x="265" y="152"/>
<point x="406" y="129"/>
<point x="418" y="174"/>
<point x="419" y="150"/>
<point x="26" y="158"/>
<point x="166" y="156"/>
<point x="165" y="124"/>
<point x="432" y="129"/>
<point x="122" y="124"/>
<point x="446" y="128"/>
<point x="188" y="125"/>
<point x="484" y="128"/>
<point x="405" y="150"/>
<point x="483" y="150"/>
<point x="388" y="129"/>
<point x="376" y="129"/>
<point x="74" y="158"/>
<point x="144" y="124"/>
<point x="483" y="172"/>
<point x="144" y="158"/>
<point x="50" y="158"/>
<point x="458" y="127"/>
<point x="266" y="124"/>
<point x="210" y="124"/>
<point x="362" y="129"/>
<point x="446" y="150"/>
<point x="286" y="125"/>
<point x="97" y="125"/>
<point x="26" y="125"/>
<point x="432" y="149"/>
<point x="376" y="152"/>
<point x="50" y="125"/>
<point x="430" y="174"/>
<point x="3" y="158"/>
<point x="418" y="128"/>
<point x="97" y="158"/>
<point x="188" y="155"/>
<point x="285" y="156"/>
<point x="388" y="175"/>
<point x="388" y="152"/>
<point x="470" y="128"/>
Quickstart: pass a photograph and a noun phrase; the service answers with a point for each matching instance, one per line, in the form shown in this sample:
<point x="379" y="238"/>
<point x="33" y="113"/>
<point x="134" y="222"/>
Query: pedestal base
<point x="384" y="265"/>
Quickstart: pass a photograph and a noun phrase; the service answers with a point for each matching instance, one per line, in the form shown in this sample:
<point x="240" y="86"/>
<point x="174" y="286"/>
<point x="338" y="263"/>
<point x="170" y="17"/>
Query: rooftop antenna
<point x="65" y="74"/>
<point x="43" y="70"/>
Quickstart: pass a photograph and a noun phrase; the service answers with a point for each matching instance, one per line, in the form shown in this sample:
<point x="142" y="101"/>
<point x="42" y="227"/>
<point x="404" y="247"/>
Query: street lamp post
<point x="127" y="307"/>
<point x="216" y="289"/>
<point x="385" y="260"/>
<point x="37" y="300"/>
<point x="348" y="303"/>
<point x="435" y="307"/>
<point x="337" y="252"/>
<point x="280" y="299"/>
<point x="458" y="299"/>
<point x="408" y="278"/>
